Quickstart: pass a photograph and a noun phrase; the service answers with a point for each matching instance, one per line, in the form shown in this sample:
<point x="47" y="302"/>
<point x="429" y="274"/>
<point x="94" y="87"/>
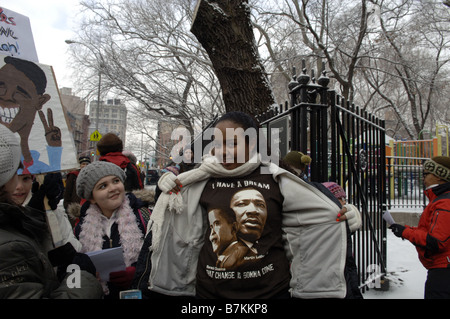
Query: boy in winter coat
<point x="351" y="271"/>
<point x="70" y="193"/>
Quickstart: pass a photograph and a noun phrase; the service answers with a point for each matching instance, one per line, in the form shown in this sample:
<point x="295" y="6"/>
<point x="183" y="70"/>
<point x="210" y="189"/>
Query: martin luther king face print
<point x="251" y="213"/>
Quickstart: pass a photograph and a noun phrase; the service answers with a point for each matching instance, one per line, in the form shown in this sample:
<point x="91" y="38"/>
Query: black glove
<point x="65" y="255"/>
<point x="85" y="263"/>
<point x="397" y="229"/>
<point x="37" y="199"/>
<point x="53" y="188"/>
<point x="62" y="256"/>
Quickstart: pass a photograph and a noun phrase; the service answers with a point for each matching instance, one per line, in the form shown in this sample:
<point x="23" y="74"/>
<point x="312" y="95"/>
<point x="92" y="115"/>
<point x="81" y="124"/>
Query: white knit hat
<point x="92" y="173"/>
<point x="10" y="154"/>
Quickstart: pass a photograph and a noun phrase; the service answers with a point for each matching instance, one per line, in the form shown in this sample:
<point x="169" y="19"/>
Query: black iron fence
<point x="347" y="146"/>
<point x="405" y="192"/>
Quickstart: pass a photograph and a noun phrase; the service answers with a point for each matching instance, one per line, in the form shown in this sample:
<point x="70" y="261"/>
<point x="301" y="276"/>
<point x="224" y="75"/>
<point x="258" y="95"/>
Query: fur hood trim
<point x="73" y="211"/>
<point x="145" y="195"/>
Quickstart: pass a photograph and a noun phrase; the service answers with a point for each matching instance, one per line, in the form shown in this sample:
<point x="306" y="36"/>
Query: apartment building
<point x="111" y="116"/>
<point x="78" y="121"/>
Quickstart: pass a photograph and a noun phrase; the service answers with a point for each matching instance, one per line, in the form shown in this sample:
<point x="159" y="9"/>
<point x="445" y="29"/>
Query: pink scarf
<point x="131" y="237"/>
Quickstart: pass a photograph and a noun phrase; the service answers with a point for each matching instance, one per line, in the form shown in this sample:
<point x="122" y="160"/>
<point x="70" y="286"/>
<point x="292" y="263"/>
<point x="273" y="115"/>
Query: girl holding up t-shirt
<point x="236" y="227"/>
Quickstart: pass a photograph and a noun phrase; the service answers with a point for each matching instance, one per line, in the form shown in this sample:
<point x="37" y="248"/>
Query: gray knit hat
<point x="10" y="153"/>
<point x="92" y="173"/>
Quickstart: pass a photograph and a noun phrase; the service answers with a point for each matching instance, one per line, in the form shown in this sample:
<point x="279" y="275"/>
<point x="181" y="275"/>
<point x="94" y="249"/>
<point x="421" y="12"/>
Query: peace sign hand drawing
<point x="52" y="132"/>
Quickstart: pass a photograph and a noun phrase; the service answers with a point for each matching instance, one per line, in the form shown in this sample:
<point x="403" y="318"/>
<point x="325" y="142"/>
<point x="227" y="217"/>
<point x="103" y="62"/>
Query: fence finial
<point x="323" y="80"/>
<point x="303" y="78"/>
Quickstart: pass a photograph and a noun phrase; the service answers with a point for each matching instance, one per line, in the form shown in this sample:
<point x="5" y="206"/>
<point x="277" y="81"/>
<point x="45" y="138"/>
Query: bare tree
<point x="409" y="68"/>
<point x="146" y="53"/>
<point x="224" y="29"/>
<point x="386" y="55"/>
<point x="333" y="33"/>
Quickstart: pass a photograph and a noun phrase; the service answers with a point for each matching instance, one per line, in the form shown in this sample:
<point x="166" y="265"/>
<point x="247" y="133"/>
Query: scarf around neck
<point x="131" y="237"/>
<point x="209" y="168"/>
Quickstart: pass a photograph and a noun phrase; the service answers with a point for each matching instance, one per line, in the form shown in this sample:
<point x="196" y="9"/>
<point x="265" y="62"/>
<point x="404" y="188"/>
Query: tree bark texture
<point x="224" y="29"/>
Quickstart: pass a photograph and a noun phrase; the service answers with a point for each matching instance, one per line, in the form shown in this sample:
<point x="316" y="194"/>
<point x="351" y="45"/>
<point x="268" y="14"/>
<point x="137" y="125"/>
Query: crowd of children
<point x="229" y="227"/>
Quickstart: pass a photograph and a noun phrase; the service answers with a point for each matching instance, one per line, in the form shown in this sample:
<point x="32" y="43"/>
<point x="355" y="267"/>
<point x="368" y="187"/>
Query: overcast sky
<point x="52" y="22"/>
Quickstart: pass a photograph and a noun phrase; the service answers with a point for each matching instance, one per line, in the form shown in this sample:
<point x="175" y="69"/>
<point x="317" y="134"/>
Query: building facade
<point x="165" y="143"/>
<point x="110" y="118"/>
<point x="78" y="121"/>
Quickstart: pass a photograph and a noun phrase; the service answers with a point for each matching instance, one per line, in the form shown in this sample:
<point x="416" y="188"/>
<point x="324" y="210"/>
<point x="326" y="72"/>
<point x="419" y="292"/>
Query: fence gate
<point x="347" y="146"/>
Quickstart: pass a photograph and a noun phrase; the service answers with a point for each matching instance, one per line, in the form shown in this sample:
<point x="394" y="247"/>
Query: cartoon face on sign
<point x="22" y="95"/>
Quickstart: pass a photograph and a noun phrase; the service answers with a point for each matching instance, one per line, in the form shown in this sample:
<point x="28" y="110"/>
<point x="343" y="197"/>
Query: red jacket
<point x="432" y="234"/>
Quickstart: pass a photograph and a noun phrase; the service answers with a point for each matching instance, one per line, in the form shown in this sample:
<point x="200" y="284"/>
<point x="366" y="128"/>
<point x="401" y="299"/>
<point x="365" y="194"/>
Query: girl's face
<point x="187" y="156"/>
<point x="23" y="188"/>
<point x="108" y="194"/>
<point x="231" y="147"/>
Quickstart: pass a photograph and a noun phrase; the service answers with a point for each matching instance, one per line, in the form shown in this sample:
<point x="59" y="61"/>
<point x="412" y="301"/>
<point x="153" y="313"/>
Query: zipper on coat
<point x="433" y="223"/>
<point x="147" y="259"/>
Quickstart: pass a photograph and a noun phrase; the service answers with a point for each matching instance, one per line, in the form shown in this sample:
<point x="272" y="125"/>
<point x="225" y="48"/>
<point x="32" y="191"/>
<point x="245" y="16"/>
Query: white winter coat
<point x="315" y="242"/>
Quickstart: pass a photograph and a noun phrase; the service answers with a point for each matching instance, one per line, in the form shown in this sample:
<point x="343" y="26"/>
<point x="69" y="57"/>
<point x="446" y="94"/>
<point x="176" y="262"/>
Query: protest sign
<point x="16" y="38"/>
<point x="30" y="106"/>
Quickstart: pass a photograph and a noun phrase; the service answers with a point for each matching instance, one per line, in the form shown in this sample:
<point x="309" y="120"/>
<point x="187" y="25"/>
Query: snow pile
<point x="406" y="274"/>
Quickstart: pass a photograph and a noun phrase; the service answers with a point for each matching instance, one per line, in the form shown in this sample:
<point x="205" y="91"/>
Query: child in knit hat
<point x="25" y="269"/>
<point x="298" y="162"/>
<point x="29" y="192"/>
<point x="110" y="218"/>
<point x="9" y="163"/>
<point x="351" y="271"/>
<point x="339" y="193"/>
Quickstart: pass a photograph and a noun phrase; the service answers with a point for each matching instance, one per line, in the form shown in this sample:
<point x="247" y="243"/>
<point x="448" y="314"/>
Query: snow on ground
<point x="406" y="274"/>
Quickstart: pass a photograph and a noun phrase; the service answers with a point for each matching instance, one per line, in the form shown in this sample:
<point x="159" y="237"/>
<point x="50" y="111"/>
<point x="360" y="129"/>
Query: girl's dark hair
<point x="5" y="197"/>
<point x="243" y="119"/>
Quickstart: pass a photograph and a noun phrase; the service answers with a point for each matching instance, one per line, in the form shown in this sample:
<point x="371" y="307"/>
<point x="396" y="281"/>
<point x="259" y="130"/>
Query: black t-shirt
<point x="243" y="254"/>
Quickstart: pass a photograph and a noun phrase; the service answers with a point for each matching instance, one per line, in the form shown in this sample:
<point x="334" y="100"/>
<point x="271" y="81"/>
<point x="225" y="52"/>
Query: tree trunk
<point x="224" y="29"/>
